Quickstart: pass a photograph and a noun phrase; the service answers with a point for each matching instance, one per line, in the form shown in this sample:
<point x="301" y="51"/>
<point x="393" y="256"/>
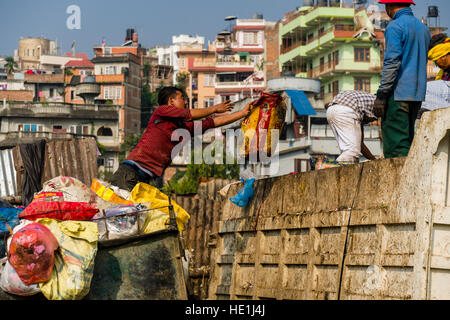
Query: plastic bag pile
<point x="52" y="243"/>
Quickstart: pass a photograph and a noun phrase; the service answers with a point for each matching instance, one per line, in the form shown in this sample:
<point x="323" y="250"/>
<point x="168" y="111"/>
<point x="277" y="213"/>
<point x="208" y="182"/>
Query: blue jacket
<point x="405" y="60"/>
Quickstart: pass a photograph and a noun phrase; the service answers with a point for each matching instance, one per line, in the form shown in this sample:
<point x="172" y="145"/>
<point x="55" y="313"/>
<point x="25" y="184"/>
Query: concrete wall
<point x="376" y="230"/>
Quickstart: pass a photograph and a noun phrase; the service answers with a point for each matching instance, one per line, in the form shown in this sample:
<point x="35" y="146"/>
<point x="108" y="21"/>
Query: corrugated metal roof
<point x="75" y="158"/>
<point x="8" y="185"/>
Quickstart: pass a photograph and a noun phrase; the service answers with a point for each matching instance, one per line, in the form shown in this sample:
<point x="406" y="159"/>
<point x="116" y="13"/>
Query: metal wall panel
<point x="75" y="158"/>
<point x="8" y="186"/>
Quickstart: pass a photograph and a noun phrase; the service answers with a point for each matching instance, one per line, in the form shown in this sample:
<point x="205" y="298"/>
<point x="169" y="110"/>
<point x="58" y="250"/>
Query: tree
<point x="187" y="182"/>
<point x="130" y="142"/>
<point x="10" y="64"/>
<point x="182" y="80"/>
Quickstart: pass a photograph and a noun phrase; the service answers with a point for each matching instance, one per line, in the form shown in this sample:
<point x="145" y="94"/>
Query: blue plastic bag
<point x="244" y="194"/>
<point x="8" y="216"/>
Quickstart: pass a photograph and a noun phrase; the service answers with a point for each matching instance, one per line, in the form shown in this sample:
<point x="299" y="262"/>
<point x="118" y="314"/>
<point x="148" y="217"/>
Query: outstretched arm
<point x="205" y="112"/>
<point x="230" y="118"/>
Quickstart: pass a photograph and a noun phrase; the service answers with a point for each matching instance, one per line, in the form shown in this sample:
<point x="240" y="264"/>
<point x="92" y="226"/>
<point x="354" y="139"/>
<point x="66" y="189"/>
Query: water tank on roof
<point x="257" y="16"/>
<point x="433" y="12"/>
<point x="322" y="3"/>
<point x="130" y="33"/>
<point x="308" y="3"/>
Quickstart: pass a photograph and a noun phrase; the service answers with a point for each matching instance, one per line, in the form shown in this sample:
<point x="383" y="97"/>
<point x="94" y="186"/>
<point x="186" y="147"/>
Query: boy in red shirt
<point x="152" y="155"/>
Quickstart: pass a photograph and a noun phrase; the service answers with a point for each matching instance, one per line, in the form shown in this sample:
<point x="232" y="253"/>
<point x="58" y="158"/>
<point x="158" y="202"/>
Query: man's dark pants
<point x="398" y="127"/>
<point x="126" y="177"/>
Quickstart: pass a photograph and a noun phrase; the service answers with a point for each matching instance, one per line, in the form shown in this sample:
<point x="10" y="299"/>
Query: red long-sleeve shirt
<point x="153" y="151"/>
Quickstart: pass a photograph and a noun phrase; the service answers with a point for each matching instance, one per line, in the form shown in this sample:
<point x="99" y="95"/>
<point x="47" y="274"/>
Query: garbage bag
<point x="31" y="253"/>
<point x="113" y="224"/>
<point x="9" y="218"/>
<point x="5" y="204"/>
<point x="61" y="210"/>
<point x="110" y="193"/>
<point x="267" y="113"/>
<point x="10" y="282"/>
<point x="74" y="260"/>
<point x="74" y="190"/>
<point x="244" y="194"/>
<point x="145" y="193"/>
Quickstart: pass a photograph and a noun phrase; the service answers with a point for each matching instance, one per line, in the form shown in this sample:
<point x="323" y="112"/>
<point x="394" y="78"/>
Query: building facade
<point x="240" y="60"/>
<point x="29" y="122"/>
<point x="339" y="46"/>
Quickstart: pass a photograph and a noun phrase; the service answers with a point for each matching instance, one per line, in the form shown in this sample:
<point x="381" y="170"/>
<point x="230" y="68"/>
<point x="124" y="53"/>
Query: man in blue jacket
<point x="404" y="78"/>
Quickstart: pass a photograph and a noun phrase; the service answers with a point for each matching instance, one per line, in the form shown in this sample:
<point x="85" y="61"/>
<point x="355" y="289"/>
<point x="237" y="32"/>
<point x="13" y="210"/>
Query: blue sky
<point x="155" y="21"/>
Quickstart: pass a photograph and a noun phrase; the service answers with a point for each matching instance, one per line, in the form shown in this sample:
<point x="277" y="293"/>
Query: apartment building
<point x="28" y="122"/>
<point x="168" y="55"/>
<point x="158" y="74"/>
<point x="240" y="60"/>
<point x="199" y="64"/>
<point x="339" y="46"/>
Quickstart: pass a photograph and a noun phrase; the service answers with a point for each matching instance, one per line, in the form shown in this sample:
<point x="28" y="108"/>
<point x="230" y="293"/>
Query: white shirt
<point x="437" y="96"/>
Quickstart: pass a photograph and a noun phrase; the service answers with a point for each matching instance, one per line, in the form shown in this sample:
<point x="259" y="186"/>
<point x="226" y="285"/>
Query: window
<point x="51" y="94"/>
<point x="104" y="132"/>
<point x="79" y="129"/>
<point x="107" y="50"/>
<point x="336" y="57"/>
<point x="302" y="165"/>
<point x="322" y="92"/>
<point x="362" y="54"/>
<point x="335" y="88"/>
<point x="329" y="61"/>
<point x="250" y="38"/>
<point x="322" y="63"/>
<point x="209" y="102"/>
<point x="362" y="84"/>
<point x="112" y="93"/>
<point x="209" y="80"/>
<point x="110" y="70"/>
<point x="33" y="53"/>
<point x="29" y="127"/>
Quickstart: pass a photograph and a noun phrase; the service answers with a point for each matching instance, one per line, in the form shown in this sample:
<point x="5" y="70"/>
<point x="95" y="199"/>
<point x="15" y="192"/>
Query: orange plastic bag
<point x="31" y="253"/>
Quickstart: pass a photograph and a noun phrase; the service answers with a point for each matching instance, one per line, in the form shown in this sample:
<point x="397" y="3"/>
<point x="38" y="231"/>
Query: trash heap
<point x="49" y="246"/>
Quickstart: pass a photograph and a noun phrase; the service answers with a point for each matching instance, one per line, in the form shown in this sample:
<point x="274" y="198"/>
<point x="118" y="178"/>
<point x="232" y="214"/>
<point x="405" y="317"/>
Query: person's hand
<point x="379" y="107"/>
<point x="223" y="107"/>
<point x="246" y="111"/>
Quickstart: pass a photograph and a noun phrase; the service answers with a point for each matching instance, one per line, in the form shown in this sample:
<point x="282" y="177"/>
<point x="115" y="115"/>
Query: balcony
<point x="60" y="110"/>
<point x="305" y="46"/>
<point x="239" y="85"/>
<point x="344" y="65"/>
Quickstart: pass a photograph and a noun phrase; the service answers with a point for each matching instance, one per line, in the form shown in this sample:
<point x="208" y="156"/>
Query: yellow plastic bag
<point x="74" y="259"/>
<point x="106" y="193"/>
<point x="157" y="219"/>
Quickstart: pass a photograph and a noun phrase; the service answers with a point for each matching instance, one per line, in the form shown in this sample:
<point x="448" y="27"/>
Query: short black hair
<point x="167" y="92"/>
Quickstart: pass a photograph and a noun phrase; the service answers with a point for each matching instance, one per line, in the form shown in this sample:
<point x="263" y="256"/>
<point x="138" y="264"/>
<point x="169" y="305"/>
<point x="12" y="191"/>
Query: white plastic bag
<point x="10" y="282"/>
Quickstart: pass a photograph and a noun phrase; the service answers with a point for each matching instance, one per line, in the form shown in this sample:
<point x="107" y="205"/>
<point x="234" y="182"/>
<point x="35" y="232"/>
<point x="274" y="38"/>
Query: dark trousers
<point x="397" y="127"/>
<point x="126" y="177"/>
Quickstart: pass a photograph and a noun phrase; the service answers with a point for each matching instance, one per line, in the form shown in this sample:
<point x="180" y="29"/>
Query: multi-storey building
<point x="199" y="65"/>
<point x="28" y="122"/>
<point x="240" y="60"/>
<point x="339" y="46"/>
<point x="168" y="55"/>
<point x="158" y="74"/>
